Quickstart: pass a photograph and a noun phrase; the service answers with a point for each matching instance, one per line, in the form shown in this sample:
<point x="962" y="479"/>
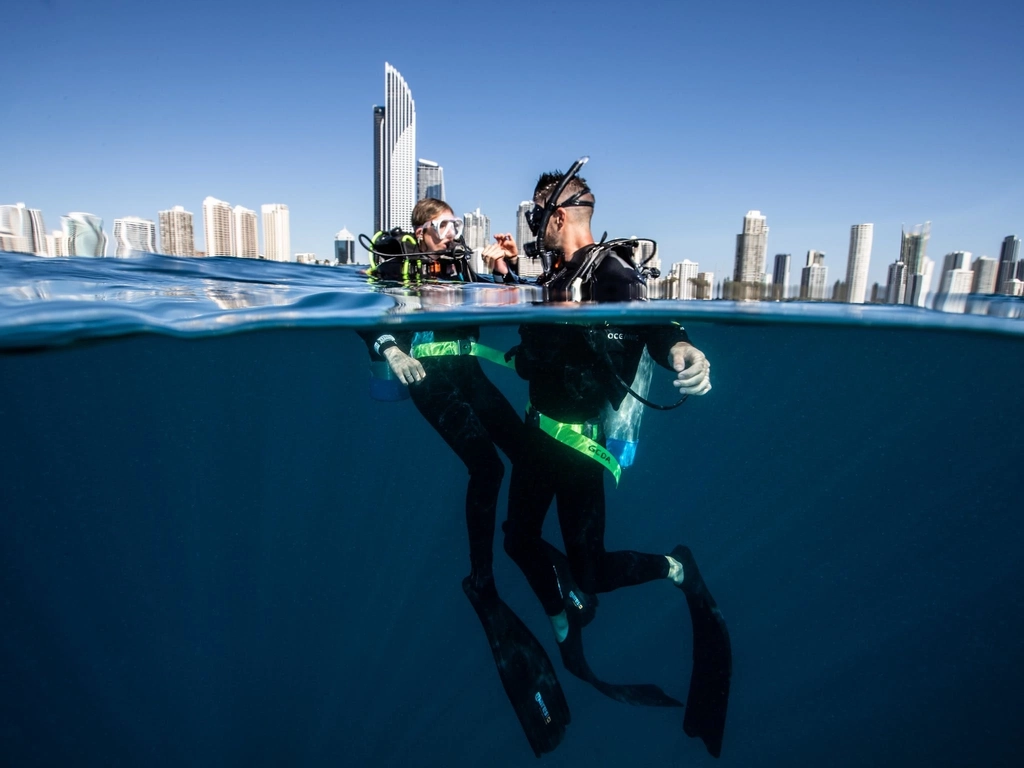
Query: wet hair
<point x="427" y="209"/>
<point x="548" y="182"/>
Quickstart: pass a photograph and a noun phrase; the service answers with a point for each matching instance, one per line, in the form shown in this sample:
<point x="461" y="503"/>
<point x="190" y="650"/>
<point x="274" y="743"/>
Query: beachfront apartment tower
<point x="277" y="237"/>
<point x="217" y="227"/>
<point x="83" y="234"/>
<point x="23" y="229"/>
<point x="245" y="235"/>
<point x="429" y="180"/>
<point x="177" y="237"/>
<point x="134" y="235"/>
<point x="751" y="249"/>
<point x="857" y="262"/>
<point x="394" y="154"/>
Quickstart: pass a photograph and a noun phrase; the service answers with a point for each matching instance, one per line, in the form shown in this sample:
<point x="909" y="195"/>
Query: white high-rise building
<point x="477" y="235"/>
<point x="814" y="277"/>
<point x="957" y="279"/>
<point x="705" y="285"/>
<point x="345" y="247"/>
<point x="217" y="227"/>
<point x="13" y="243"/>
<point x="23" y="229"/>
<point x="920" y="284"/>
<point x="478" y="230"/>
<point x="177" y="237"/>
<point x="858" y="261"/>
<point x="751" y="249"/>
<point x="896" y="283"/>
<point x="132" y="234"/>
<point x="523" y="233"/>
<point x="394" y="154"/>
<point x="83" y="234"/>
<point x="986" y="270"/>
<point x="277" y="237"/>
<point x="56" y="245"/>
<point x="429" y="180"/>
<point x="245" y="237"/>
<point x="685" y="273"/>
<point x="527" y="267"/>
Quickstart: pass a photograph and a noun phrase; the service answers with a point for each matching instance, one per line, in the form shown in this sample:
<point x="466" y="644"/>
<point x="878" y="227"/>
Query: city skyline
<point x="306" y="140"/>
<point x="909" y="278"/>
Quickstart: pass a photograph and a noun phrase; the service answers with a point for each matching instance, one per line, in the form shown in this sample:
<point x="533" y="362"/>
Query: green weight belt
<point x="579" y="437"/>
<point x="460" y="347"/>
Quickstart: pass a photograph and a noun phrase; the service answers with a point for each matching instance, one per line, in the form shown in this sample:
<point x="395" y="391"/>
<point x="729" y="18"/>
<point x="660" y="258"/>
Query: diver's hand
<point x="407" y="370"/>
<point x="693" y="371"/>
<point x="495" y="254"/>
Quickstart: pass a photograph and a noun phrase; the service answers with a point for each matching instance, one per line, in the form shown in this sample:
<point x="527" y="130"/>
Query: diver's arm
<point x="670" y="347"/>
<point x="385" y="345"/>
<point x="501" y="256"/>
<point x="693" y="371"/>
<point x="407" y="369"/>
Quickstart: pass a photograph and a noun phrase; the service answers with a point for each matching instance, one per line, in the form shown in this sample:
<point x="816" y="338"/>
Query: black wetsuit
<point x="471" y="414"/>
<point x="571" y="370"/>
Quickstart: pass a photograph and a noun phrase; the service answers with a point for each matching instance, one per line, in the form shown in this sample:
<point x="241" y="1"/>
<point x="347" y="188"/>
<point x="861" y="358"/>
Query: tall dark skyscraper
<point x="780" y="275"/>
<point x="914" y="248"/>
<point x="1009" y="254"/>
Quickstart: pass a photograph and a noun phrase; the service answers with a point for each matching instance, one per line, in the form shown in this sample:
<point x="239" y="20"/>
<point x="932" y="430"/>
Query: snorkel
<point x="539" y="224"/>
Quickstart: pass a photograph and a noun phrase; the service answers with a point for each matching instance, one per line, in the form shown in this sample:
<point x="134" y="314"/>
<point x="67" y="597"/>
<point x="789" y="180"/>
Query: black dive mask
<point x="538" y="216"/>
<point x="537" y="219"/>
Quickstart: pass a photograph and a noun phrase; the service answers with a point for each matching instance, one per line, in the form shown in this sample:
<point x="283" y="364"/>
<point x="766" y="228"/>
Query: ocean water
<point x="215" y="549"/>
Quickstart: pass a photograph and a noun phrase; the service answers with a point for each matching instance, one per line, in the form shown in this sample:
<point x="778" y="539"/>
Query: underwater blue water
<point x="215" y="549"/>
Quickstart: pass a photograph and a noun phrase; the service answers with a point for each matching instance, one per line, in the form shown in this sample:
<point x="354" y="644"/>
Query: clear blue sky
<point x="819" y="115"/>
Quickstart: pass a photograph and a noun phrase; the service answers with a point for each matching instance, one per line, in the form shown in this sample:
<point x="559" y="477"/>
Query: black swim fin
<point x="708" y="698"/>
<point x="579" y="609"/>
<point x="526" y="671"/>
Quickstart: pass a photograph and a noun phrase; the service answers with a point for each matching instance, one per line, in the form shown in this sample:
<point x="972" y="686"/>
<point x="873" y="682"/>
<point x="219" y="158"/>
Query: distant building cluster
<point x="909" y="279"/>
<point x="22" y="231"/>
<point x="227" y="232"/>
<point x="400" y="180"/>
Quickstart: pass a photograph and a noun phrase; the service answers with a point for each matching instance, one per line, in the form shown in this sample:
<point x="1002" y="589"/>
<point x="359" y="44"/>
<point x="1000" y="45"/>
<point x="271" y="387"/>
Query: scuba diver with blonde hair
<point x="446" y="383"/>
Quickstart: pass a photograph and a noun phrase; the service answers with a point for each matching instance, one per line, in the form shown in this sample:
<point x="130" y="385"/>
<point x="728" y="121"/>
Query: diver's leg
<point x="580" y="494"/>
<point x="447" y="409"/>
<point x="502" y="421"/>
<point x="530" y="493"/>
<point x="581" y="515"/>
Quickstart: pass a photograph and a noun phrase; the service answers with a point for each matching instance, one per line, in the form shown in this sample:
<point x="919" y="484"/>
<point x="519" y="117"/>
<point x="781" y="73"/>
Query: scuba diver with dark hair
<point x="573" y="371"/>
<point x="449" y="388"/>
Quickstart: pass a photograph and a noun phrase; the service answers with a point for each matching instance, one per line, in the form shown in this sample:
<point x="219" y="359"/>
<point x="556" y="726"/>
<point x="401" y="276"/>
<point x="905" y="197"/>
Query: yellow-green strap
<point x="572" y="436"/>
<point x="460" y="347"/>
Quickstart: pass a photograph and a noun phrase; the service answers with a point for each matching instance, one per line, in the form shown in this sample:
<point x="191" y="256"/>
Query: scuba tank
<point x="622" y="427"/>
